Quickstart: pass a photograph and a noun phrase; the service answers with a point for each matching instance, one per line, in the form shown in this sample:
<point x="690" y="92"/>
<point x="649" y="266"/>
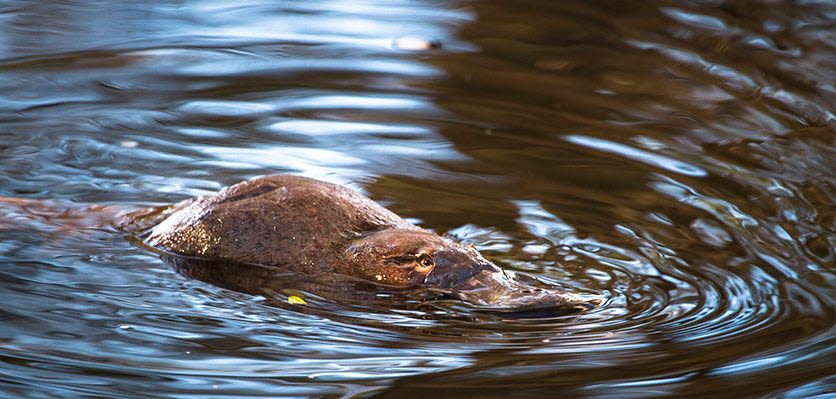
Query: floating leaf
<point x="296" y="300"/>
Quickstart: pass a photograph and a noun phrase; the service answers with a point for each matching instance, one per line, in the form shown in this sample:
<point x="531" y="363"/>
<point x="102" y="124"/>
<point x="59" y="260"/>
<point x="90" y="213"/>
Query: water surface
<point x="676" y="158"/>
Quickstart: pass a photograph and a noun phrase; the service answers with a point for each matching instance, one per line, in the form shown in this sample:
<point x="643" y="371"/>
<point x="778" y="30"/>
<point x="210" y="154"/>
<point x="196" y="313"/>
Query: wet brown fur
<point x="303" y="225"/>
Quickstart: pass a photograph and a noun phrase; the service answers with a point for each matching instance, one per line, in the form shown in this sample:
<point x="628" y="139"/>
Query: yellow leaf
<point x="296" y="300"/>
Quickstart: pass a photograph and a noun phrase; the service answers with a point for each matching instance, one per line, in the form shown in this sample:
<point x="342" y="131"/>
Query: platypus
<point x="313" y="227"/>
<point x="319" y="232"/>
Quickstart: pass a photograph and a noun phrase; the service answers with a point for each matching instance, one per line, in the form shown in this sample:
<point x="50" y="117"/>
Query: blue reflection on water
<point x="646" y="157"/>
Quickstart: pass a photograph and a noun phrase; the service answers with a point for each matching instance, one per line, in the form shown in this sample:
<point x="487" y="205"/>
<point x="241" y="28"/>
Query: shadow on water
<point x="324" y="295"/>
<point x="675" y="157"/>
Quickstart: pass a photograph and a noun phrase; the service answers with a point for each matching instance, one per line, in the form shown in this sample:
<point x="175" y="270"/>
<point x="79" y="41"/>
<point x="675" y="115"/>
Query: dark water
<point x="678" y="158"/>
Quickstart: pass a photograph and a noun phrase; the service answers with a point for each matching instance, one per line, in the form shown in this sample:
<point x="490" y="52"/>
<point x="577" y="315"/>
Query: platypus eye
<point x="426" y="260"/>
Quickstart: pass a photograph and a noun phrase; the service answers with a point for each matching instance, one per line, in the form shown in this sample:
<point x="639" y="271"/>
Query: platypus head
<point x="405" y="257"/>
<point x="399" y="257"/>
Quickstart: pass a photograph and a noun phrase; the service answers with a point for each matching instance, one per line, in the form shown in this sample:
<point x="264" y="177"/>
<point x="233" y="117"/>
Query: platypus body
<point x="319" y="235"/>
<point x="317" y="228"/>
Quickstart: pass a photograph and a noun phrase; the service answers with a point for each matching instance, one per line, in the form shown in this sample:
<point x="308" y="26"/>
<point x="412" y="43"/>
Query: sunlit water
<point x="676" y="158"/>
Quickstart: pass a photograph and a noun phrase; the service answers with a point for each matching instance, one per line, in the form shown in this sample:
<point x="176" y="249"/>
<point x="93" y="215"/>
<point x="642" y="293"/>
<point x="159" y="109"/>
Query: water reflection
<point x="638" y="155"/>
<point x="676" y="158"/>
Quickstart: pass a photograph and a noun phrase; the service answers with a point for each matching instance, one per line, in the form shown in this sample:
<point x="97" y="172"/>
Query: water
<point x="675" y="157"/>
